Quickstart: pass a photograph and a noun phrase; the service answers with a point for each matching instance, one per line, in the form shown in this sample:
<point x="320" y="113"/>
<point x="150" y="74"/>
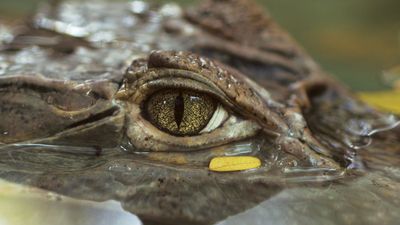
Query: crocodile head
<point x="113" y="120"/>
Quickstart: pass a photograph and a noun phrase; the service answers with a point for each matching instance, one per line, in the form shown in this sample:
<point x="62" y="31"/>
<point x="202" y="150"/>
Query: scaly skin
<point x="72" y="121"/>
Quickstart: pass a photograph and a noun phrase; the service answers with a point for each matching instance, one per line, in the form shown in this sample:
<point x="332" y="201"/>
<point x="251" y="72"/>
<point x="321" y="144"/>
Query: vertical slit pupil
<point x="179" y="109"/>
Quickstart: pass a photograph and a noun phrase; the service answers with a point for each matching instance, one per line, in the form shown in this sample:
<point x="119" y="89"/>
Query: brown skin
<point x="96" y="142"/>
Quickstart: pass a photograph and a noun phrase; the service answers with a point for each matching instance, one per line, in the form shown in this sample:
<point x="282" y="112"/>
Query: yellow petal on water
<point x="384" y="100"/>
<point x="234" y="163"/>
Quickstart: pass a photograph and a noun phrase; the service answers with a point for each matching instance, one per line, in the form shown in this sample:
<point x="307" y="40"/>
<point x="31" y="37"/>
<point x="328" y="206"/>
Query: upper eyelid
<point x="151" y="74"/>
<point x="155" y="79"/>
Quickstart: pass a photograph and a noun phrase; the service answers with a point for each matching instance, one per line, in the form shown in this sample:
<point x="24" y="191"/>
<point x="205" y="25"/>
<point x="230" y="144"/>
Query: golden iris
<point x="179" y="112"/>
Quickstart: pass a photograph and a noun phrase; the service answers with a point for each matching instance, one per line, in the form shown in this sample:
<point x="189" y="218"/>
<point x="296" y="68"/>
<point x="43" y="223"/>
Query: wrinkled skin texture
<point x="71" y="116"/>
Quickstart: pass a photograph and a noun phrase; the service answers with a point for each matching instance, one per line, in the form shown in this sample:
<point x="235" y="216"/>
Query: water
<point x="23" y="205"/>
<point x="363" y="201"/>
<point x="177" y="186"/>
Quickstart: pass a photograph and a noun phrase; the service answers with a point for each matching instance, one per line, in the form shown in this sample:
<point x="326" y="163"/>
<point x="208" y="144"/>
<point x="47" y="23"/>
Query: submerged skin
<point x="72" y="118"/>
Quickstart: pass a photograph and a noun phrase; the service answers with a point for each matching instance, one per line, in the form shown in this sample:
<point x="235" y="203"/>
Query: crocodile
<point x="132" y="100"/>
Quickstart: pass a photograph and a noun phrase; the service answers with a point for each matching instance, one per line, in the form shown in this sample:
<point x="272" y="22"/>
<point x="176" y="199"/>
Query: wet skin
<point x="74" y="114"/>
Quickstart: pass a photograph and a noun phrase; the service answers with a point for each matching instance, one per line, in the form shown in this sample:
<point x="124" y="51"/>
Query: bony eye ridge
<point x="180" y="112"/>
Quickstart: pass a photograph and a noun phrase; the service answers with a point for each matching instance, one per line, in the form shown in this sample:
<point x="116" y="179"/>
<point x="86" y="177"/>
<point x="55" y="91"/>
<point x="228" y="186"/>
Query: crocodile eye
<point x="184" y="112"/>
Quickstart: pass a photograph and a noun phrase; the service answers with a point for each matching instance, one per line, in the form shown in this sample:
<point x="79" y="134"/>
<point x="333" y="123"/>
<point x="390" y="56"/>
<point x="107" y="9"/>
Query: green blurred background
<point x="355" y="40"/>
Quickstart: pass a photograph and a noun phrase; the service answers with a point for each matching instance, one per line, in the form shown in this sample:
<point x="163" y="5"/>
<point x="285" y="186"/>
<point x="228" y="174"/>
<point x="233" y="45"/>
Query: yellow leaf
<point x="234" y="163"/>
<point x="384" y="100"/>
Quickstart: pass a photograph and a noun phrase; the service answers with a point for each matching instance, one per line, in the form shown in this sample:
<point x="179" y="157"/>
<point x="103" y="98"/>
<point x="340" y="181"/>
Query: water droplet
<point x="171" y="10"/>
<point x="139" y="7"/>
<point x="234" y="79"/>
<point x="202" y="62"/>
<point x="119" y="168"/>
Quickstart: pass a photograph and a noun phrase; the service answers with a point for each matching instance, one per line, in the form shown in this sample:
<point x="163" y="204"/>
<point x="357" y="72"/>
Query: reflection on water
<point x="372" y="199"/>
<point x="30" y="206"/>
<point x="351" y="177"/>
